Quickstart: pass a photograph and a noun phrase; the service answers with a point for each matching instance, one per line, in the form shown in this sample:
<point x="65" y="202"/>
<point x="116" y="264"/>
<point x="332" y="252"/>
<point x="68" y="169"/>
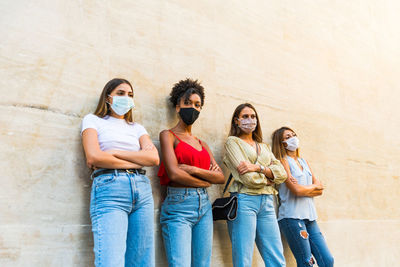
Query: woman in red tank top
<point x="188" y="168"/>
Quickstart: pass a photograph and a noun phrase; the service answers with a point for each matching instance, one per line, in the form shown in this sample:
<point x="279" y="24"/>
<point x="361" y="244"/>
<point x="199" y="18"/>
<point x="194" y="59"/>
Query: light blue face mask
<point x="122" y="104"/>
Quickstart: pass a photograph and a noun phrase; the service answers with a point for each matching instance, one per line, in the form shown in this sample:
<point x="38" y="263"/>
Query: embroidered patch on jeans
<point x="304" y="234"/>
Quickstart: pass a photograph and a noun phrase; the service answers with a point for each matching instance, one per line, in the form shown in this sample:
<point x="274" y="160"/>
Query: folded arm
<point x="300" y="190"/>
<point x="234" y="157"/>
<point x="95" y="158"/>
<point x="176" y="174"/>
<point x="213" y="175"/>
<point x="146" y="156"/>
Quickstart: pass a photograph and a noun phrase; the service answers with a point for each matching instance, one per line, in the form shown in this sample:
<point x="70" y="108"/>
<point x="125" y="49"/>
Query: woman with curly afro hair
<point x="187" y="169"/>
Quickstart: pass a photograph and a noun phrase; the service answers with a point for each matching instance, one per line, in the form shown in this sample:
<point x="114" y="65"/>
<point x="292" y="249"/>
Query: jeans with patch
<point x="122" y="213"/>
<point x="305" y="239"/>
<point x="187" y="227"/>
<point x="256" y="221"/>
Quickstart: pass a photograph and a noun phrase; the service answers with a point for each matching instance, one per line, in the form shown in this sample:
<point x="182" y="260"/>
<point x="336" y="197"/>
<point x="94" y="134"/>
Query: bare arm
<point x="300" y="190"/>
<point x="146" y="156"/>
<point x="214" y="175"/>
<point x="175" y="173"/>
<point x="95" y="158"/>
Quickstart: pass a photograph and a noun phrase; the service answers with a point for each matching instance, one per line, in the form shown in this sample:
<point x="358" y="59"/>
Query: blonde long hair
<point x="103" y="108"/>
<point x="277" y="143"/>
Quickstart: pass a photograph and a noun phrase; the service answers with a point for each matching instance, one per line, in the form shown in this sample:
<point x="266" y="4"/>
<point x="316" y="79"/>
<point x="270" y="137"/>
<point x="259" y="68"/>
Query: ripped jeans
<point x="305" y="240"/>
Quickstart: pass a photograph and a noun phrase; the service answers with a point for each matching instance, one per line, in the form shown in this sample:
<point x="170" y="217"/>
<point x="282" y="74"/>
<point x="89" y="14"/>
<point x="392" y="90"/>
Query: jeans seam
<point x="319" y="253"/>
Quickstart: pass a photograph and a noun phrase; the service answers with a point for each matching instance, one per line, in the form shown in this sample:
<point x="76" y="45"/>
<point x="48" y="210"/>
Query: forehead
<point x="123" y="87"/>
<point x="287" y="132"/>
<point x="248" y="111"/>
<point x="192" y="97"/>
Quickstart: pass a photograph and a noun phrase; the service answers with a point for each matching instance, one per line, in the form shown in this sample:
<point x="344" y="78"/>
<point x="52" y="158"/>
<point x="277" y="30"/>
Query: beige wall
<point x="329" y="69"/>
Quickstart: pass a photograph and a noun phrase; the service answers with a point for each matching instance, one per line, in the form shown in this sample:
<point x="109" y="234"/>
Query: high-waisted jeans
<point x="305" y="238"/>
<point x="187" y="227"/>
<point x="122" y="213"/>
<point x="256" y="221"/>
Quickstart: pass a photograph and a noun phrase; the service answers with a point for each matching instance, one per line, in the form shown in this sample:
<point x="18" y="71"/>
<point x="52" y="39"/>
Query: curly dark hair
<point x="186" y="88"/>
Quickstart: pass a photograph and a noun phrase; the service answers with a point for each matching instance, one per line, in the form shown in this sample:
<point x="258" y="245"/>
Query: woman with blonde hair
<point x="297" y="215"/>
<point x="254" y="170"/>
<point x="121" y="203"/>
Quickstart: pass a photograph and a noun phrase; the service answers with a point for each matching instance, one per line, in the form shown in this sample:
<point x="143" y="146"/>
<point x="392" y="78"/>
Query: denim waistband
<point x="115" y="172"/>
<point x="185" y="191"/>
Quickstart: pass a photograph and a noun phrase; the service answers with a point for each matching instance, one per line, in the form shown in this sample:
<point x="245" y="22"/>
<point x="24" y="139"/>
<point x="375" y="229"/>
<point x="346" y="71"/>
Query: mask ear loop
<point x="109" y="102"/>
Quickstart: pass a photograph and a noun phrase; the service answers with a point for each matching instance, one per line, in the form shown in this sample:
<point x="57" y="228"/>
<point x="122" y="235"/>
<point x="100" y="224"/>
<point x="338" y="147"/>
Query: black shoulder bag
<point x="225" y="208"/>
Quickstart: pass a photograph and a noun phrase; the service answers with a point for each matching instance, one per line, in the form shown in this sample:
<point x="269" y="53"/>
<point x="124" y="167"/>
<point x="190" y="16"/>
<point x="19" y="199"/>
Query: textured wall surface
<point x="329" y="69"/>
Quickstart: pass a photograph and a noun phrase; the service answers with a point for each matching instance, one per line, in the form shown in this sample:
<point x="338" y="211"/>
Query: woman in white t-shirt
<point x="121" y="204"/>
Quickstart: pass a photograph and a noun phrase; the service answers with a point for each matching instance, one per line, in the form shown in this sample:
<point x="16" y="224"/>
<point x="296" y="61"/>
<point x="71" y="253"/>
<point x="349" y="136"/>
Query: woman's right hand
<point x="245" y="167"/>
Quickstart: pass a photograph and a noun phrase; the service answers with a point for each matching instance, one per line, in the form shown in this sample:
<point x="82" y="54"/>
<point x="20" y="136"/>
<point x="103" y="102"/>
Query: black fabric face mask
<point x="189" y="115"/>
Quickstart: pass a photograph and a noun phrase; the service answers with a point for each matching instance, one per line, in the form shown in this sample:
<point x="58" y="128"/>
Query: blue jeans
<point x="256" y="221"/>
<point x="122" y="213"/>
<point x="305" y="238"/>
<point x="187" y="227"/>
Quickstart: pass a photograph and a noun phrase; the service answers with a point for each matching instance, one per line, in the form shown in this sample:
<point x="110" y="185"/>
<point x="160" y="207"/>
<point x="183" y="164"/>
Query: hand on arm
<point x="95" y="158"/>
<point x="214" y="174"/>
<point x="236" y="158"/>
<point x="147" y="156"/>
<point x="175" y="173"/>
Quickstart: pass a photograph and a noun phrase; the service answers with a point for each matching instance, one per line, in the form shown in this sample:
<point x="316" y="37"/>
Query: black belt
<point x="105" y="171"/>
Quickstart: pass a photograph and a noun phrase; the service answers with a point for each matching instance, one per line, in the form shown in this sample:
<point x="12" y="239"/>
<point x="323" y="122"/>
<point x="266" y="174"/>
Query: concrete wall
<point x="329" y="69"/>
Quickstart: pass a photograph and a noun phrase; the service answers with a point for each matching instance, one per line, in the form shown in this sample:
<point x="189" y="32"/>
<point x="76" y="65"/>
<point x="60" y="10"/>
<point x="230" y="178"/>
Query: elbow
<point x="173" y="177"/>
<point x="220" y="179"/>
<point x="91" y="160"/>
<point x="155" y="161"/>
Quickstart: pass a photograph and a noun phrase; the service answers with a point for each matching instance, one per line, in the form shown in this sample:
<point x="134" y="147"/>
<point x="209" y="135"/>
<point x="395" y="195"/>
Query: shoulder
<point x="266" y="146"/>
<point x="90" y="117"/>
<point x="166" y="135"/>
<point x="137" y="126"/>
<point x="232" y="140"/>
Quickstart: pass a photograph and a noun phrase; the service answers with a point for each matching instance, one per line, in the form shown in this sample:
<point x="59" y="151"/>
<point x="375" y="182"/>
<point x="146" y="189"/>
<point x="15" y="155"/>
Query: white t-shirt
<point x="114" y="133"/>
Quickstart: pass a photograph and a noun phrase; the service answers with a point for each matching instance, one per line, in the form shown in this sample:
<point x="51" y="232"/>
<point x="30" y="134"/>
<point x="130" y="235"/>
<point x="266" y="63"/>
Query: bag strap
<point x="227" y="184"/>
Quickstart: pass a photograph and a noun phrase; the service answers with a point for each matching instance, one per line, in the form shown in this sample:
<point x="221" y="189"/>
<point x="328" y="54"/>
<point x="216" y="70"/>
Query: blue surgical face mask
<point x="122" y="104"/>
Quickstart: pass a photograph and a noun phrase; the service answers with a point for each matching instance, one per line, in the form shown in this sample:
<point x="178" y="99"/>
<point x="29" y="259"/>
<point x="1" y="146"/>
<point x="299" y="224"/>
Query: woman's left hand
<point x="187" y="168"/>
<point x="245" y="167"/>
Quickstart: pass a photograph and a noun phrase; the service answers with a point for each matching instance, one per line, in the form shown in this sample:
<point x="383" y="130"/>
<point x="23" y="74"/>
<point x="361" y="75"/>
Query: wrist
<point x="193" y="170"/>
<point x="261" y="168"/>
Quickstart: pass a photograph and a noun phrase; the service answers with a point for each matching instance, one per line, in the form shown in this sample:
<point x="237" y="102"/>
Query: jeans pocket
<point x="175" y="199"/>
<point x="103" y="180"/>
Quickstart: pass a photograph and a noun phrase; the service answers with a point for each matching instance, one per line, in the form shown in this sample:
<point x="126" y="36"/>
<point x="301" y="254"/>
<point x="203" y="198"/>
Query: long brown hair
<point x="277" y="143"/>
<point x="236" y="131"/>
<point x="103" y="108"/>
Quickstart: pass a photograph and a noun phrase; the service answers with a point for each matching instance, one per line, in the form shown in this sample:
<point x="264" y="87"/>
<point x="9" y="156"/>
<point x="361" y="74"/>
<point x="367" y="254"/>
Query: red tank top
<point x="186" y="154"/>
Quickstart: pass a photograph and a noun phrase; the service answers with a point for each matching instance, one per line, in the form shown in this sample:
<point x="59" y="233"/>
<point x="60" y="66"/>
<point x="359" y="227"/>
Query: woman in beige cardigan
<point x="254" y="170"/>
